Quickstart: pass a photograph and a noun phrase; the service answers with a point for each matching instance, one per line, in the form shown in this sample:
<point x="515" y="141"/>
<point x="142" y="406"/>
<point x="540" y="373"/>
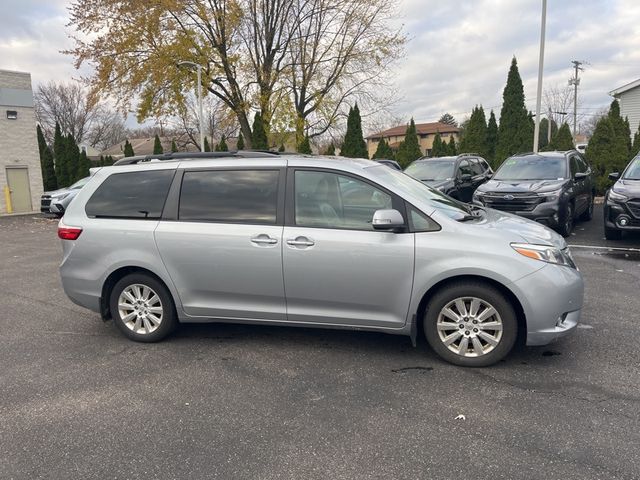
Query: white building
<point x="629" y="98"/>
<point x="20" y="173"/>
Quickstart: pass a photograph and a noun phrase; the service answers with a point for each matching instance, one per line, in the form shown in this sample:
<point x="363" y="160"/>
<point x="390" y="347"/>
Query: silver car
<point x="57" y="201"/>
<point x="313" y="242"/>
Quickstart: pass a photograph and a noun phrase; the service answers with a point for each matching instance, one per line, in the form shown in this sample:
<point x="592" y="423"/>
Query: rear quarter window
<point x="131" y="195"/>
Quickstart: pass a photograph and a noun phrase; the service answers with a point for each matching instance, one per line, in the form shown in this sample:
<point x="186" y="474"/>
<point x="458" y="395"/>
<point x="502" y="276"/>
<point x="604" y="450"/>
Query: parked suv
<point x="312" y="241"/>
<point x="553" y="188"/>
<point x="56" y="202"/>
<point x="457" y="177"/>
<point x="622" y="202"/>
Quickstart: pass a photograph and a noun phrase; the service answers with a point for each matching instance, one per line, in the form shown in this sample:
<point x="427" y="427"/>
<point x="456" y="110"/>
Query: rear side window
<point x="230" y="196"/>
<point x="131" y="195"/>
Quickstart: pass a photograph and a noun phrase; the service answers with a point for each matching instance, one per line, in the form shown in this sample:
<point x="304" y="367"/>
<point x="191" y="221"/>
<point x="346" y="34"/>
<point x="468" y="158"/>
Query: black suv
<point x="457" y="176"/>
<point x="622" y="202"/>
<point x="553" y="188"/>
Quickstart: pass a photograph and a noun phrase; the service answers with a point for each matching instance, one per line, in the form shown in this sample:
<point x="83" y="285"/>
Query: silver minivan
<point x="315" y="242"/>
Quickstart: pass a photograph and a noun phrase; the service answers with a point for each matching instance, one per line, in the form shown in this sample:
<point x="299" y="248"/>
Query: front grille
<point x="634" y="207"/>
<point x="512" y="202"/>
<point x="45" y="202"/>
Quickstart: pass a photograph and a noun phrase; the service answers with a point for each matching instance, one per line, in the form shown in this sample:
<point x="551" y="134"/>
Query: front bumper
<point x="552" y="300"/>
<point x="614" y="212"/>
<point x="546" y="213"/>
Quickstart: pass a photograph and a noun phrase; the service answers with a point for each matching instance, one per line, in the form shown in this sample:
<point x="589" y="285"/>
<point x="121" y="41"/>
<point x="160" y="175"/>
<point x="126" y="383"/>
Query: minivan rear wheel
<point x="470" y="324"/>
<point x="142" y="308"/>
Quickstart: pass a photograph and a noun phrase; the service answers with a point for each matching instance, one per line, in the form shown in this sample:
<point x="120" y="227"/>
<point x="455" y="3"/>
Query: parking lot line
<point x="617" y="249"/>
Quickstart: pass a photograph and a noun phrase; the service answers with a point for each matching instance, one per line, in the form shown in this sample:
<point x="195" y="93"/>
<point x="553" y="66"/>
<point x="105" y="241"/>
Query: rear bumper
<point x="552" y="300"/>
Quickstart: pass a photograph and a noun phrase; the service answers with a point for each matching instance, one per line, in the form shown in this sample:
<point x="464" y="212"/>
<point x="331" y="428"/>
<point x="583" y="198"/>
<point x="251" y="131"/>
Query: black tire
<point x="485" y="293"/>
<point x="612" y="233"/>
<point x="566" y="221"/>
<point x="168" y="320"/>
<point x="588" y="213"/>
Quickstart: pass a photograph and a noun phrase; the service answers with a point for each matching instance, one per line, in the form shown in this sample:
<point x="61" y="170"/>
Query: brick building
<point x="20" y="173"/>
<point x="426" y="133"/>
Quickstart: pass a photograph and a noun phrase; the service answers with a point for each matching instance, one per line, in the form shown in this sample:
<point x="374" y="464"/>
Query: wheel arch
<point x="442" y="284"/>
<point x="118" y="274"/>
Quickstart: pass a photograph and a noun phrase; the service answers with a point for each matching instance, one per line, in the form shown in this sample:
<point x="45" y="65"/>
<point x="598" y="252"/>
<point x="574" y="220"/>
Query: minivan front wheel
<point x="142" y="308"/>
<point x="470" y="324"/>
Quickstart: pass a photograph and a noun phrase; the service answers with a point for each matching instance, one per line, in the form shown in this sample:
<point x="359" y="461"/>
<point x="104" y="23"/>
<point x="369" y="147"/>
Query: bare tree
<point x="107" y="129"/>
<point x="559" y="100"/>
<point x="588" y="124"/>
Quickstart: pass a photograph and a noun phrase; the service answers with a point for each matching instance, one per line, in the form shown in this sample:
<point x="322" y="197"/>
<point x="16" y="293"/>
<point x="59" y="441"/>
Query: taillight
<point x="66" y="232"/>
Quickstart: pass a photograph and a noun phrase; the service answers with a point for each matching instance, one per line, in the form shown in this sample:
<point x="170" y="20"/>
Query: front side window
<point x="229" y="196"/>
<point x="329" y="200"/>
<point x="476" y="167"/>
<point x="131" y="195"/>
<point x="464" y="168"/>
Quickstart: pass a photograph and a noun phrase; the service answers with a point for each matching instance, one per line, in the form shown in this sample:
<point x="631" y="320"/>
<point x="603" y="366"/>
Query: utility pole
<point x="543" y="23"/>
<point x="575" y="81"/>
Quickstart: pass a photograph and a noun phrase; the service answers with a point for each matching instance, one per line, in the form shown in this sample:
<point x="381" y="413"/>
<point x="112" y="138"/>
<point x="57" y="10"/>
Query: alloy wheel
<point x="140" y="309"/>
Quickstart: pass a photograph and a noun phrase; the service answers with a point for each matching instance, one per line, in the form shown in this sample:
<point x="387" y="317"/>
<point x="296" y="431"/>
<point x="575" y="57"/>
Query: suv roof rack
<point x="469" y="154"/>
<point x="196" y="155"/>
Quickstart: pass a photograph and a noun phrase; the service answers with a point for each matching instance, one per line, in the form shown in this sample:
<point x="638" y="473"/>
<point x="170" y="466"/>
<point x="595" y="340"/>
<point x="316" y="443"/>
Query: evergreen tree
<point x="305" y="146"/>
<point x="49" y="181"/>
<point x="474" y="139"/>
<point x="605" y="154"/>
<point x="354" y="145"/>
<point x="439" y="148"/>
<point x="492" y="138"/>
<point x="383" y="151"/>
<point x="514" y="131"/>
<point x="207" y="147"/>
<point x="409" y="149"/>
<point x="281" y="148"/>
<point x="84" y="164"/>
<point x="635" y="147"/>
<point x="216" y="147"/>
<point x="174" y="147"/>
<point x="157" y="145"/>
<point x="563" y="140"/>
<point x="60" y="158"/>
<point x="259" y="135"/>
<point x="448" y="119"/>
<point x="240" y="144"/>
<point x="101" y="161"/>
<point x="128" y="149"/>
<point x="543" y="139"/>
<point x="452" y="150"/>
<point x="222" y="146"/>
<point x="109" y="160"/>
<point x="73" y="159"/>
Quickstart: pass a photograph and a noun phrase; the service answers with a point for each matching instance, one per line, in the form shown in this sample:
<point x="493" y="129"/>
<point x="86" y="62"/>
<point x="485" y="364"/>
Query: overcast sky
<point x="458" y="54"/>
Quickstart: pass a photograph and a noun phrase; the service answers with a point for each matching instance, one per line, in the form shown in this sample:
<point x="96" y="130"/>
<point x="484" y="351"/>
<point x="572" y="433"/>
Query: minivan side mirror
<point x="466" y="177"/>
<point x="388" y="219"/>
<point x="614" y="176"/>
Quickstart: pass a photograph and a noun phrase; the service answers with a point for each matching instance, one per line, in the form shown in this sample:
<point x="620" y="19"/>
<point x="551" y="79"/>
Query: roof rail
<point x="469" y="154"/>
<point x="195" y="156"/>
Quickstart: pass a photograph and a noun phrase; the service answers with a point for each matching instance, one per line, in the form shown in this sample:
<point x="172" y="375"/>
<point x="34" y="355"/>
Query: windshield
<point x="431" y="169"/>
<point x="441" y="202"/>
<point x="633" y="170"/>
<point x="532" y="167"/>
<point x="79" y="184"/>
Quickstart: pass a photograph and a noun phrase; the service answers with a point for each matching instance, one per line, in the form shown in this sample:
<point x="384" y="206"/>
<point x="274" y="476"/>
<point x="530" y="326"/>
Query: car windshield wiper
<point x="427" y="179"/>
<point x="466" y="218"/>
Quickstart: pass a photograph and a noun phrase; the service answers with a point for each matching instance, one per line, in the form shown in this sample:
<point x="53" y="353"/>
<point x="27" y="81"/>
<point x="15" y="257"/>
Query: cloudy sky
<point x="458" y="55"/>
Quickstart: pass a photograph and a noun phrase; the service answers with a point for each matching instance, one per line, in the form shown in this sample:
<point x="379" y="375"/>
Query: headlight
<point x="545" y="253"/>
<point x="617" y="197"/>
<point x="550" y="196"/>
<point x="62" y="196"/>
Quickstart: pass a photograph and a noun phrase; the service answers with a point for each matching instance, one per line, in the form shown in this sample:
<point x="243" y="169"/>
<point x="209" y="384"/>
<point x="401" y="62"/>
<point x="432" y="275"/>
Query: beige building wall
<point x="425" y="140"/>
<point x="18" y="141"/>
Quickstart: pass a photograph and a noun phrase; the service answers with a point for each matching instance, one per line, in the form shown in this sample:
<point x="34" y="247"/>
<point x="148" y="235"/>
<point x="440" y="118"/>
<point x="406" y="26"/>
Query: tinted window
<point x="476" y="167"/>
<point x="583" y="166"/>
<point x="633" y="170"/>
<point x="131" y="195"/>
<point x="532" y="167"/>
<point x="465" y="168"/>
<point x="431" y="170"/>
<point x="485" y="165"/>
<point x="329" y="200"/>
<point x="573" y="162"/>
<point x="232" y="196"/>
<point x="420" y="222"/>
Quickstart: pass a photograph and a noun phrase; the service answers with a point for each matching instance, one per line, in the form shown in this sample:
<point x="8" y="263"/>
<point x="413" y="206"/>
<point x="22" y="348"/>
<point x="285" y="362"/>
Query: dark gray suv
<point x="552" y="188"/>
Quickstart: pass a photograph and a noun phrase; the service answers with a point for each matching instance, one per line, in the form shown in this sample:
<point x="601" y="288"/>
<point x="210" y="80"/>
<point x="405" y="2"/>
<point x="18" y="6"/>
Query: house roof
<point x="625" y="88"/>
<point x="421" y="129"/>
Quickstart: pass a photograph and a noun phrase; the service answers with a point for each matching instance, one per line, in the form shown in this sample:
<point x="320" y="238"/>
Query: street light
<point x="536" y="132"/>
<point x="200" y="115"/>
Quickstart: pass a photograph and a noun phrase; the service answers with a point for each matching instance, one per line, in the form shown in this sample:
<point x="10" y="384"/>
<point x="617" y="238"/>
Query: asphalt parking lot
<point x="78" y="400"/>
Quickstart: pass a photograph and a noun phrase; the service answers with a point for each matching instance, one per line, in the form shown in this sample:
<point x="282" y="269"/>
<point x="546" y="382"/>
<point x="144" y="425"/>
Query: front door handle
<point x="300" y="242"/>
<point x="264" y="240"/>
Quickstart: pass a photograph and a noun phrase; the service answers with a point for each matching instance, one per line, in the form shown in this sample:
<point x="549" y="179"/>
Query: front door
<point x="19" y="190"/>
<point x="224" y="251"/>
<point x="337" y="269"/>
